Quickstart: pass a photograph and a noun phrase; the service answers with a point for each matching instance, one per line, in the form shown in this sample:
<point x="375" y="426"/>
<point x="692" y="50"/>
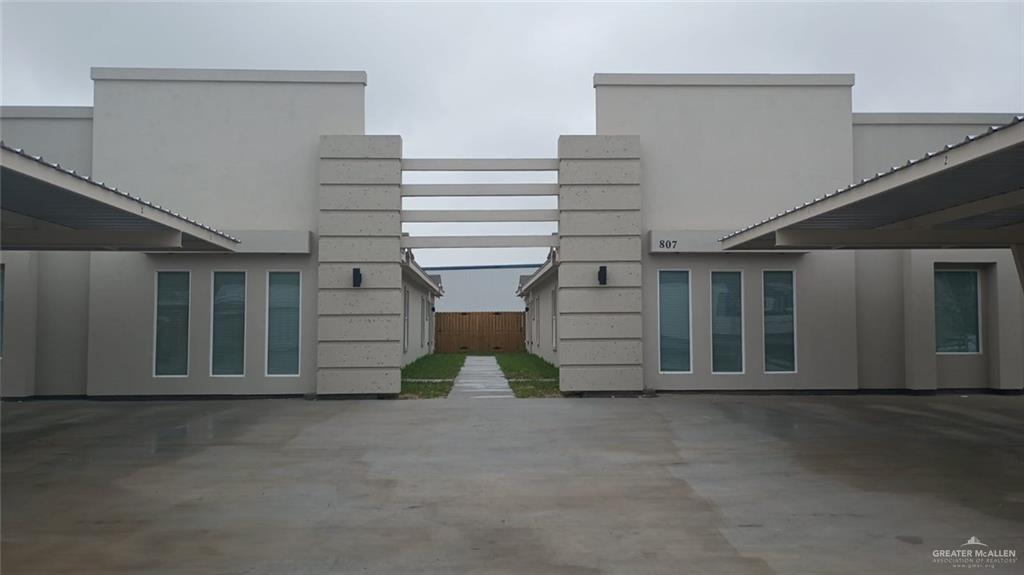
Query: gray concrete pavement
<point x="480" y="378"/>
<point x="680" y="484"/>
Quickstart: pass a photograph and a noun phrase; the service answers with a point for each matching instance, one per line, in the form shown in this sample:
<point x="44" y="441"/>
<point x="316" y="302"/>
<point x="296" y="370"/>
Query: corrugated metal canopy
<point x="967" y="195"/>
<point x="48" y="207"/>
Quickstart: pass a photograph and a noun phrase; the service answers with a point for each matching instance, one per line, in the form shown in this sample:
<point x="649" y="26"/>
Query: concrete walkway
<point x="480" y="377"/>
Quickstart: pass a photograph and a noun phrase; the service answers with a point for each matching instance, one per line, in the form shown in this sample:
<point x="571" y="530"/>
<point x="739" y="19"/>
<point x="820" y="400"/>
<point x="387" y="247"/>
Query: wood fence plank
<point x="480" y="332"/>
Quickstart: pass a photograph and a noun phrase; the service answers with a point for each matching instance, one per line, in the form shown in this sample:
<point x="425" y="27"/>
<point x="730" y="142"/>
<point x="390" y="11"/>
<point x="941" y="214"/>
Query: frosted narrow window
<point x="779" y="322"/>
<point x="228" y="332"/>
<point x="957" y="325"/>
<point x="726" y="322"/>
<point x="674" y="320"/>
<point x="172" y="310"/>
<point x="284" y="292"/>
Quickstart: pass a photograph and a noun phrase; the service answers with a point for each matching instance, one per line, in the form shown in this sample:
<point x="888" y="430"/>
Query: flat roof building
<point x="315" y="288"/>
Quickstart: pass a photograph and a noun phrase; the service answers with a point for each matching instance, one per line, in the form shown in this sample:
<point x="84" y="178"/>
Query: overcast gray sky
<point x="506" y="80"/>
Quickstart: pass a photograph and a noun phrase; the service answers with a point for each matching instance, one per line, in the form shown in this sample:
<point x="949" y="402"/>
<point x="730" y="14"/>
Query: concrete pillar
<point x="600" y="327"/>
<point x="359" y="329"/>
<point x="920" y="366"/>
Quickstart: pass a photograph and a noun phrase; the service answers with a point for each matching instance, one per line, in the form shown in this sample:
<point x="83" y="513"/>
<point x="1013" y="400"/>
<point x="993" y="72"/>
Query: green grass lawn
<point x="440" y="367"/>
<point x="522" y="365"/>
<point x="425" y="389"/>
<point x="435" y="366"/>
<point x="529" y="375"/>
<point x="534" y="388"/>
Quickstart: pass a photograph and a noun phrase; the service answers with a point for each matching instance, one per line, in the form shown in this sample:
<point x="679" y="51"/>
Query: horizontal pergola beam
<point x="480" y="165"/>
<point x="479" y="216"/>
<point x="479" y="241"/>
<point x="932" y="238"/>
<point x="442" y="190"/>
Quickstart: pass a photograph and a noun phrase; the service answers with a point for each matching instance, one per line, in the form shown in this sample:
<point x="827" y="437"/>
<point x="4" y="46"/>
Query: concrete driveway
<point x="677" y="484"/>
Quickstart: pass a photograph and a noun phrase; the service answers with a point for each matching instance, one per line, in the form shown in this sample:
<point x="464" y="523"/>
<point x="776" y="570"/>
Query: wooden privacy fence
<point x="480" y="332"/>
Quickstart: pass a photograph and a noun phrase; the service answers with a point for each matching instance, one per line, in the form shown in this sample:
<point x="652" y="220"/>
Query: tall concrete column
<point x="600" y="327"/>
<point x="359" y="329"/>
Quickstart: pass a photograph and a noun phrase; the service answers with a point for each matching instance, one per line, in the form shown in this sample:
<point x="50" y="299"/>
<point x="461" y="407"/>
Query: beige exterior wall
<point x="895" y="288"/>
<point x="54" y="361"/>
<point x="692" y="156"/>
<point x="18" y="357"/>
<point x="418" y="339"/>
<point x="121" y="326"/>
<point x="719" y="152"/>
<point x="240" y="150"/>
<point x="826" y="341"/>
<point x="541" y="331"/>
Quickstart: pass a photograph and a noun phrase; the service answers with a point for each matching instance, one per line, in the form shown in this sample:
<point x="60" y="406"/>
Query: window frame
<point x="689" y="304"/>
<point x="977" y="293"/>
<point x="188" y="332"/>
<point x="764" y="338"/>
<point x="266" y="325"/>
<point x="245" y="318"/>
<point x="743" y="321"/>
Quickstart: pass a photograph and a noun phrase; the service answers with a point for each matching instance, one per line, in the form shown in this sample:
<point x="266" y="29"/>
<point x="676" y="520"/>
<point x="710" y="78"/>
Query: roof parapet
<point x="723" y="80"/>
<point x="224" y="75"/>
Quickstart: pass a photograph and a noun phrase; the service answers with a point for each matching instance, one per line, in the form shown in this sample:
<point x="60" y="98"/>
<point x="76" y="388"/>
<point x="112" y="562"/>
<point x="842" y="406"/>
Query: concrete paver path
<point x="480" y="377"/>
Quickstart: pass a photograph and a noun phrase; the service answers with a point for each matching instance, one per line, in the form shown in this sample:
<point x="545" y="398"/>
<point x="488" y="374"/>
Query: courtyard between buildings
<point x="737" y="484"/>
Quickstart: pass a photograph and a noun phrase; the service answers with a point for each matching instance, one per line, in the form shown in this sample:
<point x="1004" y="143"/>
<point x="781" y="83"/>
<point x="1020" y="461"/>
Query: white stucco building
<point x="638" y="293"/>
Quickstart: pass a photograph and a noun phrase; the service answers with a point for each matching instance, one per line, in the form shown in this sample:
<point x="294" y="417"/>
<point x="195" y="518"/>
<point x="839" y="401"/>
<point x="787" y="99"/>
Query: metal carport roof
<point x="47" y="207"/>
<point x="966" y="195"/>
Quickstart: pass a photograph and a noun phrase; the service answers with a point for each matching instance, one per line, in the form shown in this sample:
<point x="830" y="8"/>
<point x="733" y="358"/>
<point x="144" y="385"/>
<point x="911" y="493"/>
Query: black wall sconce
<point x="602" y="275"/>
<point x="357" y="277"/>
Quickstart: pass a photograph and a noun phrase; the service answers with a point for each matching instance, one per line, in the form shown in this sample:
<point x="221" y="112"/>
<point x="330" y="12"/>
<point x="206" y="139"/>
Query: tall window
<point x="726" y="322"/>
<point x="674" y="320"/>
<point x="284" y="301"/>
<point x="779" y="322"/>
<point x="172" y="308"/>
<point x="957" y="312"/>
<point x="423" y="321"/>
<point x="227" y="354"/>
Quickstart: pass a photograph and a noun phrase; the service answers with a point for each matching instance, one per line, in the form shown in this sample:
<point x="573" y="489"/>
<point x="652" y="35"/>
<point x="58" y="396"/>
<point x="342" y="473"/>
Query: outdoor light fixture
<point x="602" y="275"/>
<point x="357" y="277"/>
